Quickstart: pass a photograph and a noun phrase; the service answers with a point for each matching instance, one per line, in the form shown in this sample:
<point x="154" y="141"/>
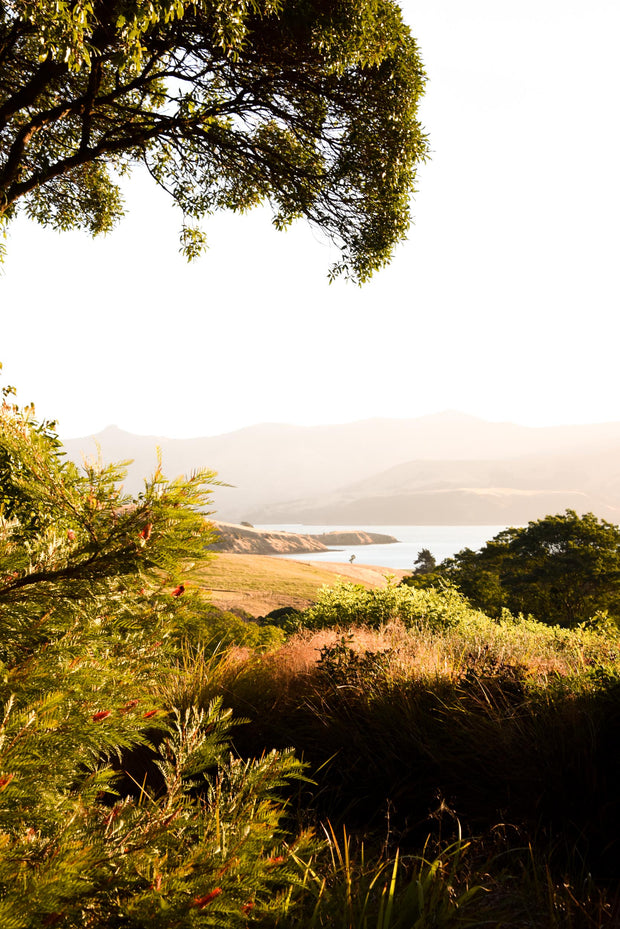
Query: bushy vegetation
<point x="421" y="717"/>
<point x="563" y="569"/>
<point x="387" y="759"/>
<point x="118" y="807"/>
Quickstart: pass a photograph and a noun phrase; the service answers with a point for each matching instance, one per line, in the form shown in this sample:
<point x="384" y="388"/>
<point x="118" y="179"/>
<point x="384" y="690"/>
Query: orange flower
<point x="277" y="860"/>
<point x="102" y="714"/>
<point x="5" y="781"/>
<point x="146" y="532"/>
<point x="149" y="714"/>
<point x="247" y="906"/>
<point x="71" y="535"/>
<point x="201" y="902"/>
<point x="178" y="590"/>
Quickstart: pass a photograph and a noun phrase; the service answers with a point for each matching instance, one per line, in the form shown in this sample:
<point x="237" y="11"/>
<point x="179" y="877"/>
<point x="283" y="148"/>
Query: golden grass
<point x="261" y="583"/>
<point x="413" y="656"/>
<point x="290" y="666"/>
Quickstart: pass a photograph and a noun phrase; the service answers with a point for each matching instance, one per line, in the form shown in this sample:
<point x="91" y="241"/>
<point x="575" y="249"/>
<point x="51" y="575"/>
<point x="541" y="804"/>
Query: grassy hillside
<point x="258" y="584"/>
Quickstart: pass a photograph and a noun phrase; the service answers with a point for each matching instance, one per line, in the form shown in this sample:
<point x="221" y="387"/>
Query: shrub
<point x="93" y="605"/>
<point x="346" y="605"/>
<point x="205" y="625"/>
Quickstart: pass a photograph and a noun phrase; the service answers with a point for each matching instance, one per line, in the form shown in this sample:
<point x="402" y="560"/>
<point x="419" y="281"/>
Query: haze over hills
<point x="446" y="468"/>
<point x="496" y="492"/>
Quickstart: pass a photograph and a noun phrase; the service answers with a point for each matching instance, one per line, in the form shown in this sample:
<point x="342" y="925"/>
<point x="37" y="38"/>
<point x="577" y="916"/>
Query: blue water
<point x="442" y="542"/>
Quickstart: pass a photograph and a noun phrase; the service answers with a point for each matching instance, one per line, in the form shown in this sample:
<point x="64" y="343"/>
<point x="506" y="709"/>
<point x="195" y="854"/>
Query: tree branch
<point x="26" y="96"/>
<point x="92" y="567"/>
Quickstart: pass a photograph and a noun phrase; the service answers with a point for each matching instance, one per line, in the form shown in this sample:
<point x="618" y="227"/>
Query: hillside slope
<point x="248" y="540"/>
<point x="257" y="584"/>
<point x="467" y="492"/>
<point x="324" y="467"/>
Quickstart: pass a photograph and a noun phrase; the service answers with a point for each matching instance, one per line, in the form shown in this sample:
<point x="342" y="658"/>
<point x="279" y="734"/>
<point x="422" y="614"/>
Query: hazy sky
<point x="503" y="303"/>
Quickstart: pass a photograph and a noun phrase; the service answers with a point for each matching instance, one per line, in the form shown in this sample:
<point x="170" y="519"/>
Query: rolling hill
<point x="492" y="492"/>
<point x="447" y="468"/>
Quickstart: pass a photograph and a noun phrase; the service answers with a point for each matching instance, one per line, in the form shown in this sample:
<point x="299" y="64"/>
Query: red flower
<point x="247" y="906"/>
<point x="102" y="714"/>
<point x="178" y="591"/>
<point x="5" y="781"/>
<point x="201" y="902"/>
<point x="129" y="706"/>
<point x="146" y="532"/>
<point x="71" y="535"/>
<point x="277" y="860"/>
<point x="149" y="714"/>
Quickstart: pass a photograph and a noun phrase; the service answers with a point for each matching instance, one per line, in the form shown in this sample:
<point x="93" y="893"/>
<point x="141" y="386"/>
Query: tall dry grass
<point x="433" y="722"/>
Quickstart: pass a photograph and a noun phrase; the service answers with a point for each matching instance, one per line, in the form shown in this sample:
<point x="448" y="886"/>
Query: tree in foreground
<point x="563" y="569"/>
<point x="310" y="105"/>
<point x="92" y="606"/>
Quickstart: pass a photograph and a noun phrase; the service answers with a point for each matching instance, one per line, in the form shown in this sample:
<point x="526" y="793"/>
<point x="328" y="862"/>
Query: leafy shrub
<point x="340" y="664"/>
<point x="286" y="618"/>
<point x="93" y="605"/>
<point x="345" y="605"/>
<point x="206" y="625"/>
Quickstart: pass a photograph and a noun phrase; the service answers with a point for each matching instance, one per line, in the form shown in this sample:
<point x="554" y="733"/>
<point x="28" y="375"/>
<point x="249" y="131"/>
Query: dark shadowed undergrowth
<point x="442" y="747"/>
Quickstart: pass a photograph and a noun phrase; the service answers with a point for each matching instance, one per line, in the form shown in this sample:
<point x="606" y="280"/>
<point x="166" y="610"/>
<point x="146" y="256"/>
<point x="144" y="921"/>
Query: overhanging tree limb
<point x="310" y="106"/>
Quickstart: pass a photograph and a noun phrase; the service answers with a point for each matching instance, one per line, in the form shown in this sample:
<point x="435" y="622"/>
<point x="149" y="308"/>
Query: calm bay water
<point x="442" y="541"/>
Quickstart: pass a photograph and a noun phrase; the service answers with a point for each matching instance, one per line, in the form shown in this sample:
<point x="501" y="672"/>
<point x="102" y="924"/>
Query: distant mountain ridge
<point x="445" y="468"/>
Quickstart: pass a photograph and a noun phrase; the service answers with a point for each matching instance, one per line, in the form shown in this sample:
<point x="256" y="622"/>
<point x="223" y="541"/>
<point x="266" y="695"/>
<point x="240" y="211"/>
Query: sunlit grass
<point x="461" y="771"/>
<point x="260" y="583"/>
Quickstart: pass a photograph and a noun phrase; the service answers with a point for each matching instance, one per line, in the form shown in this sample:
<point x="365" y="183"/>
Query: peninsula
<point x="247" y="540"/>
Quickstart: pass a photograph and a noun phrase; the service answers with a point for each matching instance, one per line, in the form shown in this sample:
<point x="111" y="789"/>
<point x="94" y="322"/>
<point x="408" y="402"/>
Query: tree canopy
<point x="563" y="569"/>
<point x="425" y="562"/>
<point x="310" y="105"/>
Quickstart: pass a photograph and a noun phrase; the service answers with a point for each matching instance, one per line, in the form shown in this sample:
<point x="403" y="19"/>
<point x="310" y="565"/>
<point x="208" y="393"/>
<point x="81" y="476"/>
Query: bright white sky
<point x="503" y="303"/>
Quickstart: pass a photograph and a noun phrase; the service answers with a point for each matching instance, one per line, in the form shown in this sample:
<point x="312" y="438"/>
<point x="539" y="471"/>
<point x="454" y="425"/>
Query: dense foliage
<point x="563" y="569"/>
<point x="119" y="803"/>
<point x="311" y="106"/>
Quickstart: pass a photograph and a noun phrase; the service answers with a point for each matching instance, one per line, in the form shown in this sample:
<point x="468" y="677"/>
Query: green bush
<point x="345" y="605"/>
<point x="93" y="603"/>
<point x="207" y="626"/>
<point x="444" y="617"/>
